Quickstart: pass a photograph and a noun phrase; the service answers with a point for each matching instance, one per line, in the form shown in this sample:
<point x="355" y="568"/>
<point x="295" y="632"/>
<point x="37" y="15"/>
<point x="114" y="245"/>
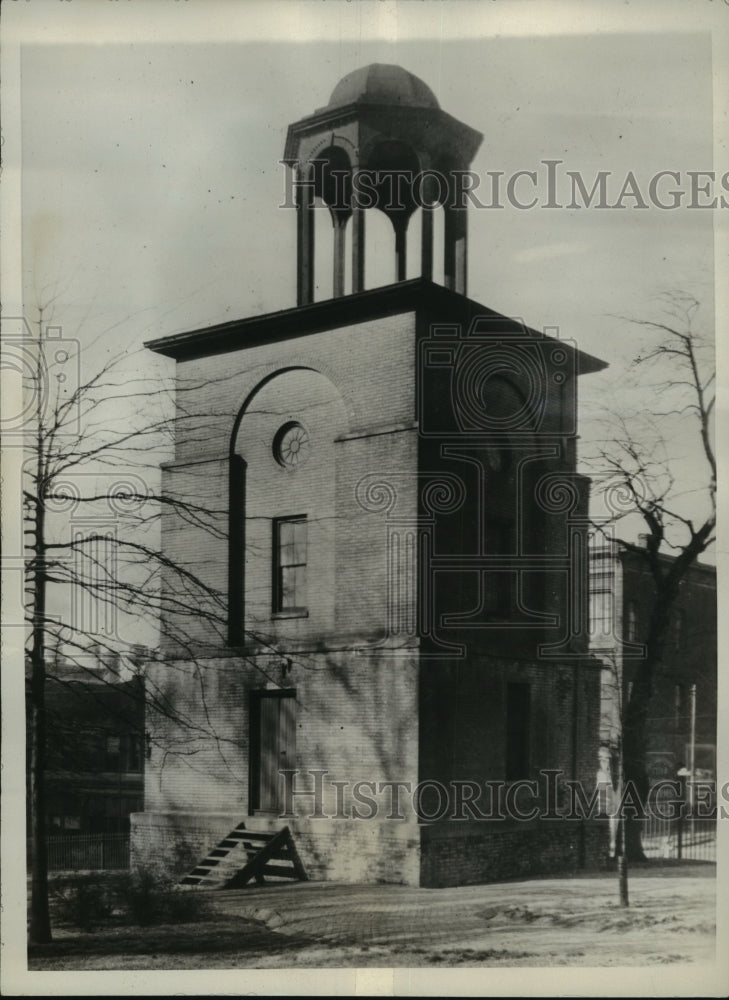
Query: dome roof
<point x="381" y="83"/>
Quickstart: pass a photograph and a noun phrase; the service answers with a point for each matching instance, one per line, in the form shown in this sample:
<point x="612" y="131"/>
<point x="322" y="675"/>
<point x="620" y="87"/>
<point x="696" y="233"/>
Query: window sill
<point x="290" y="613"/>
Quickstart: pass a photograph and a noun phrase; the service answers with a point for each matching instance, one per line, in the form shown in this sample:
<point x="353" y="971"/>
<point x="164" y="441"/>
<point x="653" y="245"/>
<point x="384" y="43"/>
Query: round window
<point x="291" y="445"/>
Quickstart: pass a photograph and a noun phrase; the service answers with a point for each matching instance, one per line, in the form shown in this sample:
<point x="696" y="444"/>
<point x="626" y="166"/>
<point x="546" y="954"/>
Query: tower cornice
<point x="417" y="296"/>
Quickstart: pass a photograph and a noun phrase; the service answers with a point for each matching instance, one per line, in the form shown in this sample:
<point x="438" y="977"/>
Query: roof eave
<point x="394" y="299"/>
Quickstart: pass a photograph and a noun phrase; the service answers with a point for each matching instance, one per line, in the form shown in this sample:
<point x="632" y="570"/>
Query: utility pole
<point x="692" y="762"/>
<point x="622" y="860"/>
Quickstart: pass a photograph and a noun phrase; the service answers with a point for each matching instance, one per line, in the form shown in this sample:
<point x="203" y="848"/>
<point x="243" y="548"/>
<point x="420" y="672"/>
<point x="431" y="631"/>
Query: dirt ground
<point x="537" y="923"/>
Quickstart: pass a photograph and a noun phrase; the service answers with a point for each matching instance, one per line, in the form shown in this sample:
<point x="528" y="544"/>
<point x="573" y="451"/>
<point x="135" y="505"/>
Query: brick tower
<point x="398" y="543"/>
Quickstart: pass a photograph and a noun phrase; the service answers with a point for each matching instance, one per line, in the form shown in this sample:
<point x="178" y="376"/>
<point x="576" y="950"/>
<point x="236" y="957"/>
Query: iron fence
<point x="685" y="837"/>
<point x="86" y="851"/>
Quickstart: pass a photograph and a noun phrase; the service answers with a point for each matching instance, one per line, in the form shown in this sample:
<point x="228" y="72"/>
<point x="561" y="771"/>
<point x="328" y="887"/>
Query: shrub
<point x="150" y="897"/>
<point x="83" y="904"/>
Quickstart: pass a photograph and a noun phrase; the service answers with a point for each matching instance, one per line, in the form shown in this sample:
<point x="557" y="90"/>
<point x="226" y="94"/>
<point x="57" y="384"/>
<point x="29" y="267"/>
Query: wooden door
<point x="273" y="743"/>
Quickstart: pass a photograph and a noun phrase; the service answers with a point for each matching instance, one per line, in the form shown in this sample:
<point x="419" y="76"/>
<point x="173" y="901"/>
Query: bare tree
<point x="642" y="476"/>
<point x="91" y="441"/>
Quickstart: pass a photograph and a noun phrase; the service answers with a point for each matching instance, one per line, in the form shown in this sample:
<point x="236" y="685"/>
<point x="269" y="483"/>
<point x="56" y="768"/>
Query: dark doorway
<point x="273" y="746"/>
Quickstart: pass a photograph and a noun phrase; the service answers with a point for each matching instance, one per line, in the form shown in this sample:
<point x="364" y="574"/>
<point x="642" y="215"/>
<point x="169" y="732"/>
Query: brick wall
<point x="347" y="387"/>
<point x="463" y="718"/>
<point x="356" y="719"/>
<point x="470" y="854"/>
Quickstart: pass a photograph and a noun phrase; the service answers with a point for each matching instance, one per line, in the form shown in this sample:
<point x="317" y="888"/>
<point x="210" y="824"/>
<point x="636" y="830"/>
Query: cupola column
<point x="340" y="227"/>
<point x="455" y="262"/>
<point x="304" y="238"/>
<point x="426" y="263"/>
<point x="358" y="249"/>
<point x="401" y="248"/>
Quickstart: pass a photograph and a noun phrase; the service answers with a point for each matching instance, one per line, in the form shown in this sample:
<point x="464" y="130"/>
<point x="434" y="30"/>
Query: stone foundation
<point x="432" y="856"/>
<point x="330" y="849"/>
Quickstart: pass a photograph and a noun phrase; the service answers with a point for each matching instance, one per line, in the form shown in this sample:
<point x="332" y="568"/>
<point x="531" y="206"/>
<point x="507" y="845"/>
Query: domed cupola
<point x="381" y="142"/>
<point x="381" y="83"/>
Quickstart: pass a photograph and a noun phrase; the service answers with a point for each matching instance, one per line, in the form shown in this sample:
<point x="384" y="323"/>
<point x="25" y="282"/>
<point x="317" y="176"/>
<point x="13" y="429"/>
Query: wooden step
<point x="249" y="835"/>
<point x="247" y="854"/>
<point x="279" y="870"/>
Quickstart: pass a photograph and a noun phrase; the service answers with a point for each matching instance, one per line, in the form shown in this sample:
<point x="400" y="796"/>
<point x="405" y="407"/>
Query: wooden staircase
<point x="248" y="854"/>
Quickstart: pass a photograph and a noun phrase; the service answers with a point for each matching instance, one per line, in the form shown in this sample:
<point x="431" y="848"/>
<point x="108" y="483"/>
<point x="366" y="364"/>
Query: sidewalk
<point x="671" y="916"/>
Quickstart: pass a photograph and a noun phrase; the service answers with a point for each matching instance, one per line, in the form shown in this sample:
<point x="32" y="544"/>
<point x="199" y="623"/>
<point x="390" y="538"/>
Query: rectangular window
<point x="289" y="564"/>
<point x="602" y="590"/>
<point x="113" y="753"/>
<point x="518" y="725"/>
<point x="601" y="614"/>
<point x="133" y="755"/>
<point x="631" y="621"/>
<point x="123" y="753"/>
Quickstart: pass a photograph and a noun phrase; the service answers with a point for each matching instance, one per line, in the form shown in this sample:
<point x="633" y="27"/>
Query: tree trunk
<point x="621" y="845"/>
<point x="635" y="719"/>
<point x="623" y="878"/>
<point x="635" y="772"/>
<point x="40" y="920"/>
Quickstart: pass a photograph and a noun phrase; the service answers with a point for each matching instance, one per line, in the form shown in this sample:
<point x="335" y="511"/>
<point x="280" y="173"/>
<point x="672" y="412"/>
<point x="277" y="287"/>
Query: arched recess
<point x="500" y="463"/>
<point x="514" y="521"/>
<point x="282" y="467"/>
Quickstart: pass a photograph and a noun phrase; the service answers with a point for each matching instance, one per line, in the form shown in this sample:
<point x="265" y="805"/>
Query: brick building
<point x="621" y="592"/>
<point x="401" y="536"/>
<point x="94" y="754"/>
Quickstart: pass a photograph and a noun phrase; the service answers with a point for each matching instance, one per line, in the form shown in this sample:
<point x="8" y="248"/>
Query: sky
<point x="151" y="174"/>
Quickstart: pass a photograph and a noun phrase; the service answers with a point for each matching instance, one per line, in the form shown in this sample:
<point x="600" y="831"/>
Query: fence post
<point x="679" y="833"/>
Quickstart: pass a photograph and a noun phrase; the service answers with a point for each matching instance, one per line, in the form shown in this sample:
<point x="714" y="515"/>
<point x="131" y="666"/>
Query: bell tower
<point x="383" y="143"/>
